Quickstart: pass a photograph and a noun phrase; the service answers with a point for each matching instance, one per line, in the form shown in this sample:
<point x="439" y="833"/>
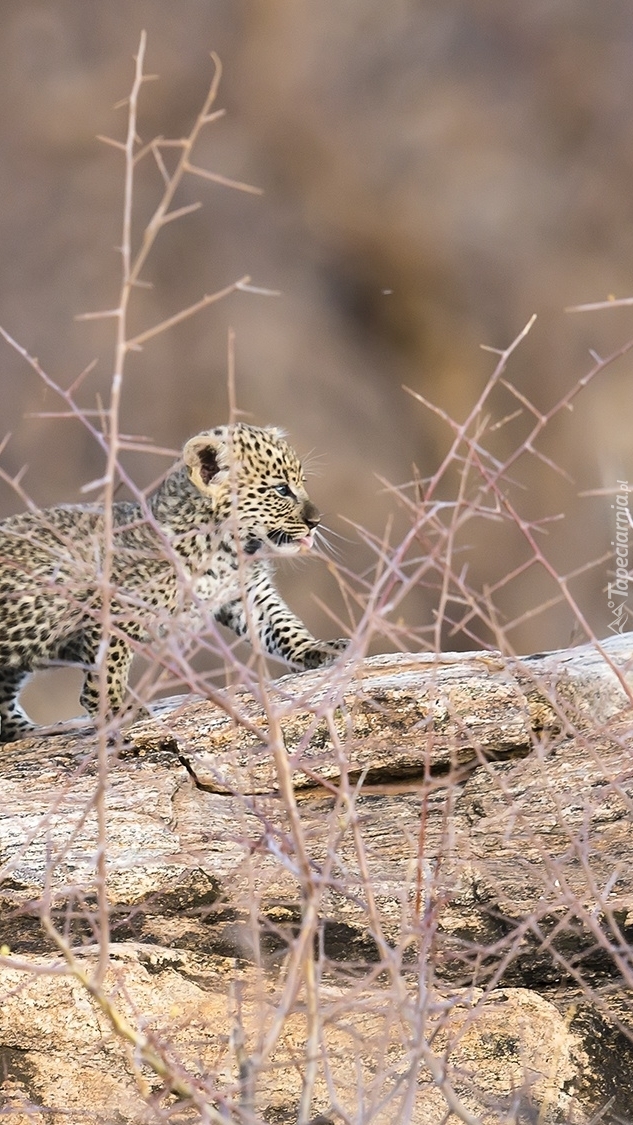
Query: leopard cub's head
<point x="255" y="479"/>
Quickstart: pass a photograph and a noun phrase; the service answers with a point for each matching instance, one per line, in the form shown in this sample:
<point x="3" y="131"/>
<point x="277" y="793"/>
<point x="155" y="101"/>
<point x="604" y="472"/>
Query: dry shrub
<point x="419" y="994"/>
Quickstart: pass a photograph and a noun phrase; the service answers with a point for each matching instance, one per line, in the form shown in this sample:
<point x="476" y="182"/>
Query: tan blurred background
<point x="433" y="174"/>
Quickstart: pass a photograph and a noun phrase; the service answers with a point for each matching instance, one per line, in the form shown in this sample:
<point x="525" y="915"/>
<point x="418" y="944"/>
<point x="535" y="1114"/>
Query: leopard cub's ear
<point x="206" y="457"/>
<point x="276" y="432"/>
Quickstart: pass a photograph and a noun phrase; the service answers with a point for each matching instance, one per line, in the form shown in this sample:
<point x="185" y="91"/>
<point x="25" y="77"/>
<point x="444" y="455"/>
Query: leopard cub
<point x="202" y="546"/>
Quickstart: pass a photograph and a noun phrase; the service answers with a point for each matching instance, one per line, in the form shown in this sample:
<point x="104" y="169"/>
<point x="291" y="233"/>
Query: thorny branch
<point x="428" y="553"/>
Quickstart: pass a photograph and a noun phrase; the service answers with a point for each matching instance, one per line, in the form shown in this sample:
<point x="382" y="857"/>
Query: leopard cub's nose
<point x="310" y="514"/>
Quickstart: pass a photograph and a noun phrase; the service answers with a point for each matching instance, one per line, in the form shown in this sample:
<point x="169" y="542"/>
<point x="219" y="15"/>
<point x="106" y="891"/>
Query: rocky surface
<point x="467" y="825"/>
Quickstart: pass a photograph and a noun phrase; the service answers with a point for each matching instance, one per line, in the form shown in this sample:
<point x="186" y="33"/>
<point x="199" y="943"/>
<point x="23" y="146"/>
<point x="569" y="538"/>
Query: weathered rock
<point x="402" y="713"/>
<point x="488" y="860"/>
<point x="510" y="1050"/>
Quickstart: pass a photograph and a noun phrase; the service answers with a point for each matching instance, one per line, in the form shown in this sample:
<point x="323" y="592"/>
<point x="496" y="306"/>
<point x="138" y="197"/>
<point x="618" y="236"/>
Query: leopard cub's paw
<point x="324" y="653"/>
<point x="337" y="646"/>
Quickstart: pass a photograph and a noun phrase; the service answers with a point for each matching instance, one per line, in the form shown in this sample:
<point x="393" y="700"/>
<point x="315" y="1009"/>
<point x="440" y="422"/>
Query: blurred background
<point x="433" y="174"/>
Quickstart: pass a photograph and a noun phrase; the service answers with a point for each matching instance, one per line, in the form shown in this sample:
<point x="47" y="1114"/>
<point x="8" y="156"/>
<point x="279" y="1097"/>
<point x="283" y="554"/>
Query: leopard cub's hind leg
<point x="14" y="721"/>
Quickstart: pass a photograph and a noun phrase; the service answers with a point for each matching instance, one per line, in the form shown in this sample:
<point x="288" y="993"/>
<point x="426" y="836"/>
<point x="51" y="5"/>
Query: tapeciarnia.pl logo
<point x="617" y="592"/>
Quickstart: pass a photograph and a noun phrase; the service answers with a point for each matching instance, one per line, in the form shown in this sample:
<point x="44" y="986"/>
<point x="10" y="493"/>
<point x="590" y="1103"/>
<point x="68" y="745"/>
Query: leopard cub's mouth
<point x="291" y="544"/>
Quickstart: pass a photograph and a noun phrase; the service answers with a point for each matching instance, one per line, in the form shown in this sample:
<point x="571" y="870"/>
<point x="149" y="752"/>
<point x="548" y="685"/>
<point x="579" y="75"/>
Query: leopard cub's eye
<point x="284" y="490"/>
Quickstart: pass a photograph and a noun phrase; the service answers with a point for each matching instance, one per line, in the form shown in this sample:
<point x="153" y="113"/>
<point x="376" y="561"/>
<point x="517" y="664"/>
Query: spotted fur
<point x="201" y="547"/>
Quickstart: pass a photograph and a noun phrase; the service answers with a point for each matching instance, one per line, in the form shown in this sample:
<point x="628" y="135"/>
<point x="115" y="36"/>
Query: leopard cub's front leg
<point x="280" y="632"/>
<point x="118" y="659"/>
<point x="314" y="654"/>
